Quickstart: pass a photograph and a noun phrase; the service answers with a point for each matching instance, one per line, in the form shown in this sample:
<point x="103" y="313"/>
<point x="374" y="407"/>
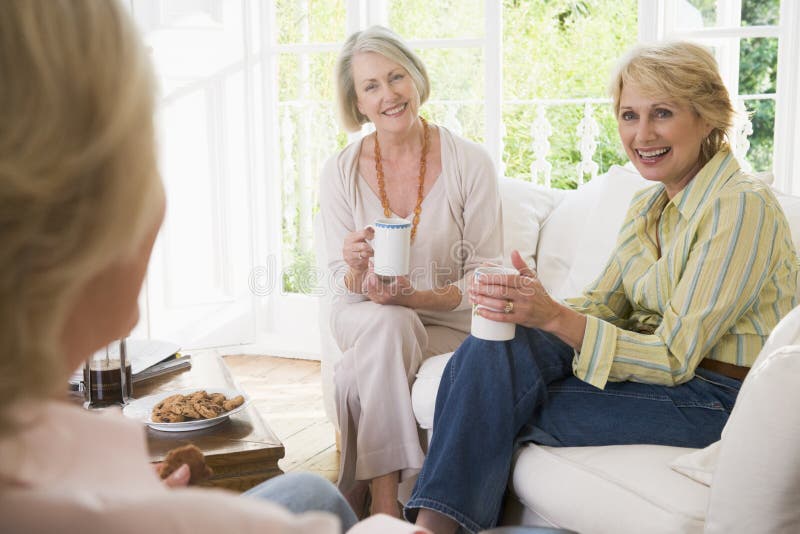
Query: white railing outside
<point x="541" y="130"/>
<point x="586" y="133"/>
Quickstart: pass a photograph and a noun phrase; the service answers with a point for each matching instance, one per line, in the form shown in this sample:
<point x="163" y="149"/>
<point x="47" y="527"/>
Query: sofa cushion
<point x="759" y="461"/>
<point x="612" y="489"/>
<point x="701" y="464"/>
<point x="791" y="208"/>
<point x="423" y="394"/>
<point x="525" y="208"/>
<point x="575" y="241"/>
<point x="758" y="466"/>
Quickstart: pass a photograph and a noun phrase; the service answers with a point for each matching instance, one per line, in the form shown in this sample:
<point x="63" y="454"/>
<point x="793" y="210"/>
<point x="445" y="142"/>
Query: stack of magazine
<point x="148" y="358"/>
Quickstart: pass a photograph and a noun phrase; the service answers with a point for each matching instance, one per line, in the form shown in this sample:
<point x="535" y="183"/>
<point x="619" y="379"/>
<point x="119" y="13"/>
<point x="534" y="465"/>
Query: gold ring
<point x="509" y="307"/>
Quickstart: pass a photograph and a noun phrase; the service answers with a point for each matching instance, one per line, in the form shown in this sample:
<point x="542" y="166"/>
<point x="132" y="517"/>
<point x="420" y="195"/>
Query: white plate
<point x="141" y="409"/>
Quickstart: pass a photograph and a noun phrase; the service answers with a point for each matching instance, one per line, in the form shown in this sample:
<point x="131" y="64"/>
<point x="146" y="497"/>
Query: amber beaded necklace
<point x="422" y="165"/>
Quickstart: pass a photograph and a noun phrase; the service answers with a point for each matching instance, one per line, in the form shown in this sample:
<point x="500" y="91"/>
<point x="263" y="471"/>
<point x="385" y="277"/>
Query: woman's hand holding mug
<point x="520" y="298"/>
<point x="396" y="290"/>
<point x="356" y="252"/>
<point x="382" y="279"/>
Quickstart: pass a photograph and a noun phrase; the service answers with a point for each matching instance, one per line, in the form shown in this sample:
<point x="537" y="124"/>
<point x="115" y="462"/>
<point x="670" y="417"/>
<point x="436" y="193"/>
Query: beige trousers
<point x="382" y="346"/>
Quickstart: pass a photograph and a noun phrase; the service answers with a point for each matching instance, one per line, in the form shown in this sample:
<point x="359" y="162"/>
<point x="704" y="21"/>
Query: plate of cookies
<point x="186" y="409"/>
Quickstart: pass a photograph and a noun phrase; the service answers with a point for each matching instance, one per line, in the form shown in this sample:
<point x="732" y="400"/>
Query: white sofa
<point x="635" y="488"/>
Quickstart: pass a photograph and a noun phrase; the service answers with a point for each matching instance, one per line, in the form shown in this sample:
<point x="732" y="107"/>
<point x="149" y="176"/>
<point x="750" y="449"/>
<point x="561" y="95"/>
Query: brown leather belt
<point x="736" y="372"/>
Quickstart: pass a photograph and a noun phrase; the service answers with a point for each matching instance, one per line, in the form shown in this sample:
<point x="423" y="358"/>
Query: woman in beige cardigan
<point x="447" y="187"/>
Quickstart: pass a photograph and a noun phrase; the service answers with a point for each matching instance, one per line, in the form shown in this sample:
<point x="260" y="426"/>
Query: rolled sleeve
<point x="593" y="362"/>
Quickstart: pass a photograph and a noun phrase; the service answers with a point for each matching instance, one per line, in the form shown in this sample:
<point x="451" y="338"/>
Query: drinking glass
<point x="107" y="376"/>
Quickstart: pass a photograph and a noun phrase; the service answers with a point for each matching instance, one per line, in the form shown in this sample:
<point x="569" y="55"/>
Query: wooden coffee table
<point x="242" y="451"/>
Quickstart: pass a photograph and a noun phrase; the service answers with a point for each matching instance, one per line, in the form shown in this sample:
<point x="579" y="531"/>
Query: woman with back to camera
<point x="81" y="203"/>
<point x="656" y="349"/>
<point x="447" y="187"/>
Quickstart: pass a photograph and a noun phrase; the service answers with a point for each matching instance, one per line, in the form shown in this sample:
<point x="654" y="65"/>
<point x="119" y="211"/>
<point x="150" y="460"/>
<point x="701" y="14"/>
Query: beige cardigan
<point x="460" y="225"/>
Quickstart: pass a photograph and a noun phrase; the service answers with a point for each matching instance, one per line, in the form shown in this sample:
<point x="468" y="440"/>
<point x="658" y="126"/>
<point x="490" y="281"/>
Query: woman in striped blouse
<point x="656" y="348"/>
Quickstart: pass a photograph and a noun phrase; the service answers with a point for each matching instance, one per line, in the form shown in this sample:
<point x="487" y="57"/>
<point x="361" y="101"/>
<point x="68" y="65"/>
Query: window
<point x="197" y="290"/>
<point x="306" y="36"/>
<point x="557" y="57"/>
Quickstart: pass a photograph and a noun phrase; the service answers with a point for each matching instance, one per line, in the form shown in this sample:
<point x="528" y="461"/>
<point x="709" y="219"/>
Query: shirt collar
<point x="709" y="179"/>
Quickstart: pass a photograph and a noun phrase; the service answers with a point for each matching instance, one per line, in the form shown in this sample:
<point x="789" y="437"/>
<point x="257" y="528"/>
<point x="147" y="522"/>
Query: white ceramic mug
<point x="392" y="246"/>
<point x="487" y="329"/>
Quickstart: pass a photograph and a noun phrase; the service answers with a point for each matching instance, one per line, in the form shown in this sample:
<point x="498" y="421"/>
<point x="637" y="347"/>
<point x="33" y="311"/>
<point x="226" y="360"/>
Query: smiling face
<point x="662" y="137"/>
<point x="385" y="92"/>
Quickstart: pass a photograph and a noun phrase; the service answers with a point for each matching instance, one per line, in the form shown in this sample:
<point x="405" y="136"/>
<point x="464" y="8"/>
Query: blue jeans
<point x="494" y="396"/>
<point x="305" y="492"/>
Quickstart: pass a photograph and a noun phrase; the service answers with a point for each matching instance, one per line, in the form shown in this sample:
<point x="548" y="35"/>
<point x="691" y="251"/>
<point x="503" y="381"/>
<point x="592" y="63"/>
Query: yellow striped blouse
<point x="725" y="274"/>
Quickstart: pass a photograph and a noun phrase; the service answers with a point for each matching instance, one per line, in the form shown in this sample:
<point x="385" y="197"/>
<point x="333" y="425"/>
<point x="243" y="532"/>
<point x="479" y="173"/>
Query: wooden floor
<point x="288" y="394"/>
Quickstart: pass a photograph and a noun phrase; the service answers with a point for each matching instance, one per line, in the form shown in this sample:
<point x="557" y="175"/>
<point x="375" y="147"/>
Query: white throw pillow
<point x="579" y="236"/>
<point x="560" y="233"/>
<point x="525" y="207"/>
<point x="756" y="486"/>
<point x="698" y="465"/>
<point x="701" y="464"/>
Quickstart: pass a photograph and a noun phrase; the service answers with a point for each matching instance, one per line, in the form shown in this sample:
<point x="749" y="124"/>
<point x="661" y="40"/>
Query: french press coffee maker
<point x="107" y="377"/>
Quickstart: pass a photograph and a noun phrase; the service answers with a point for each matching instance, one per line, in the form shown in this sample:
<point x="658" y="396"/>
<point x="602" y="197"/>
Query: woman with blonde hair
<point x="81" y="203"/>
<point x="447" y="187"/>
<point x="655" y="350"/>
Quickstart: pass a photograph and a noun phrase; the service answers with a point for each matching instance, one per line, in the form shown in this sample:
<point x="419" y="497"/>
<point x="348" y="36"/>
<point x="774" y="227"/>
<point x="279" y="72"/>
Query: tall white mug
<point x="392" y="245"/>
<point x="484" y="328"/>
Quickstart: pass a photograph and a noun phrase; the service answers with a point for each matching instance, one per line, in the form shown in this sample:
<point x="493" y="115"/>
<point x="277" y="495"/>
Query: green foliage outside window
<point x="758" y="71"/>
<point x="439" y="19"/>
<point x="323" y="21"/>
<point x="562" y="49"/>
<point x="300" y="276"/>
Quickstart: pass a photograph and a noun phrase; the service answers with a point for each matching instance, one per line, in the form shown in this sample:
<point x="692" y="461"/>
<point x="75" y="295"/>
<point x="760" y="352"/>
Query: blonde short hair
<point x="687" y="73"/>
<point x="388" y="44"/>
<point x="78" y="180"/>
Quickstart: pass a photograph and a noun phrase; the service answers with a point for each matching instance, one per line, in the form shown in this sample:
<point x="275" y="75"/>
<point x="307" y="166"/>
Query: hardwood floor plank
<point x="288" y="395"/>
<point x="306" y="444"/>
<point x="325" y="464"/>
